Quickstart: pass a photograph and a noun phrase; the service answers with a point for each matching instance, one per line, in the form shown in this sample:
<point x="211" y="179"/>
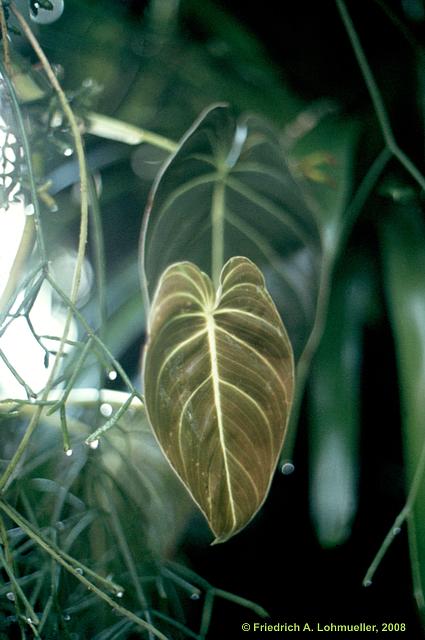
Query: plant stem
<point x="111" y="422"/>
<point x="400" y="519"/>
<point x="378" y="103"/>
<point x="99" y="252"/>
<point x="217" y="222"/>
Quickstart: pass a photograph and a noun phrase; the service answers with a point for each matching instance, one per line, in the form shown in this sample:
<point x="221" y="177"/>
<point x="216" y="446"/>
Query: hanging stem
<point x="400" y="519"/>
<point x="378" y="103"/>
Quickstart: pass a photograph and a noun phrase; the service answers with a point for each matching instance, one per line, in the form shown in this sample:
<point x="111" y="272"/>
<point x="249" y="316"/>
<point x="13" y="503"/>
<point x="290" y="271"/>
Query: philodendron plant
<point x="226" y="231"/>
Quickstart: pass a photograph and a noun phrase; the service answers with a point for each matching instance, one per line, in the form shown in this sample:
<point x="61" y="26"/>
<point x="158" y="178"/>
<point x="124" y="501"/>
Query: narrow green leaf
<point x="218" y="374"/>
<point x="334" y="405"/>
<point x="403" y="241"/>
<point x="228" y="191"/>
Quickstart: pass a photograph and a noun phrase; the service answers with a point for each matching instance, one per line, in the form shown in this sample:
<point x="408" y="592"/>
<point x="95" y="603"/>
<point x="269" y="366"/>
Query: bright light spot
<point x="21" y="348"/>
<point x="12" y="223"/>
<point x="94" y="444"/>
<point x="18" y="343"/>
<point x="63" y="267"/>
<point x="69" y="452"/>
<point x="112" y="375"/>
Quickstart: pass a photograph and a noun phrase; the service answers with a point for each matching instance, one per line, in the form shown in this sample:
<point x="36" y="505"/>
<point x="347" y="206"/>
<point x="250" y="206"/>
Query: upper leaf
<point x="228" y="191"/>
<point x="218" y="374"/>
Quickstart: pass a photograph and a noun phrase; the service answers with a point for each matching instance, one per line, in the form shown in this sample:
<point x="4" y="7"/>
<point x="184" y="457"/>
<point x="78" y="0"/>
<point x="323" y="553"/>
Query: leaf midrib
<point x="217" y="402"/>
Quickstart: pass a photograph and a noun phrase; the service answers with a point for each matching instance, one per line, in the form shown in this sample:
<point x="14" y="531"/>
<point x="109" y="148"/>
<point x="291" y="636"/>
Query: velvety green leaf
<point x="218" y="375"/>
<point x="404" y="261"/>
<point x="228" y="191"/>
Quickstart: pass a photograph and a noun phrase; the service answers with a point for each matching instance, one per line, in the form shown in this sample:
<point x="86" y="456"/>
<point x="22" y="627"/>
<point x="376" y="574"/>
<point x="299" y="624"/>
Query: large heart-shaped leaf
<point x="218" y="374"/>
<point x="228" y="191"/>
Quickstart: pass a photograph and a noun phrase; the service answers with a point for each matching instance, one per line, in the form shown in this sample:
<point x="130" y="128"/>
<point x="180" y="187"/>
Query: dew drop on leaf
<point x="94" y="444"/>
<point x="287" y="468"/>
<point x="10" y="596"/>
<point x="120" y="594"/>
<point x="79" y="570"/>
<point x="194" y="595"/>
<point x="396" y="531"/>
<point x="69" y="452"/>
<point x="112" y="374"/>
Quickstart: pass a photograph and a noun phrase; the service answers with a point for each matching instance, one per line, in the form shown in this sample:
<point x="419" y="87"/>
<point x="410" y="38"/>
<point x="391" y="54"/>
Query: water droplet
<point x="69" y="452"/>
<point x="47" y="16"/>
<point x="29" y="210"/>
<point x="79" y="570"/>
<point x="68" y="152"/>
<point x="87" y="83"/>
<point x="106" y="409"/>
<point x="30" y="620"/>
<point x="67" y="617"/>
<point x="10" y="596"/>
<point x="94" y="444"/>
<point x="396" y="531"/>
<point x="194" y="595"/>
<point x="60" y="526"/>
<point x="367" y="583"/>
<point x="112" y="374"/>
<point x="287" y="468"/>
<point x="120" y="594"/>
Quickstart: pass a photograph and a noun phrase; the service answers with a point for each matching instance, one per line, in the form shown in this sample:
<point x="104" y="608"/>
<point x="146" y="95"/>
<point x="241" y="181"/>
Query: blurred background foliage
<point x="359" y="426"/>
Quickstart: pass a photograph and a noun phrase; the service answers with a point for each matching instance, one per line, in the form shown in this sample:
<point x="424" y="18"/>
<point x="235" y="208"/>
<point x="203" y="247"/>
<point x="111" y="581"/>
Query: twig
<point x="400" y="519"/>
<point x="378" y="103"/>
<point x="111" y="422"/>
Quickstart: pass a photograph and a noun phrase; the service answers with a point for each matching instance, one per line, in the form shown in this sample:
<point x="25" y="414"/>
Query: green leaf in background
<point x="326" y="155"/>
<point x="228" y="191"/>
<point x="403" y="245"/>
<point x="218" y="375"/>
<point x="334" y="405"/>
